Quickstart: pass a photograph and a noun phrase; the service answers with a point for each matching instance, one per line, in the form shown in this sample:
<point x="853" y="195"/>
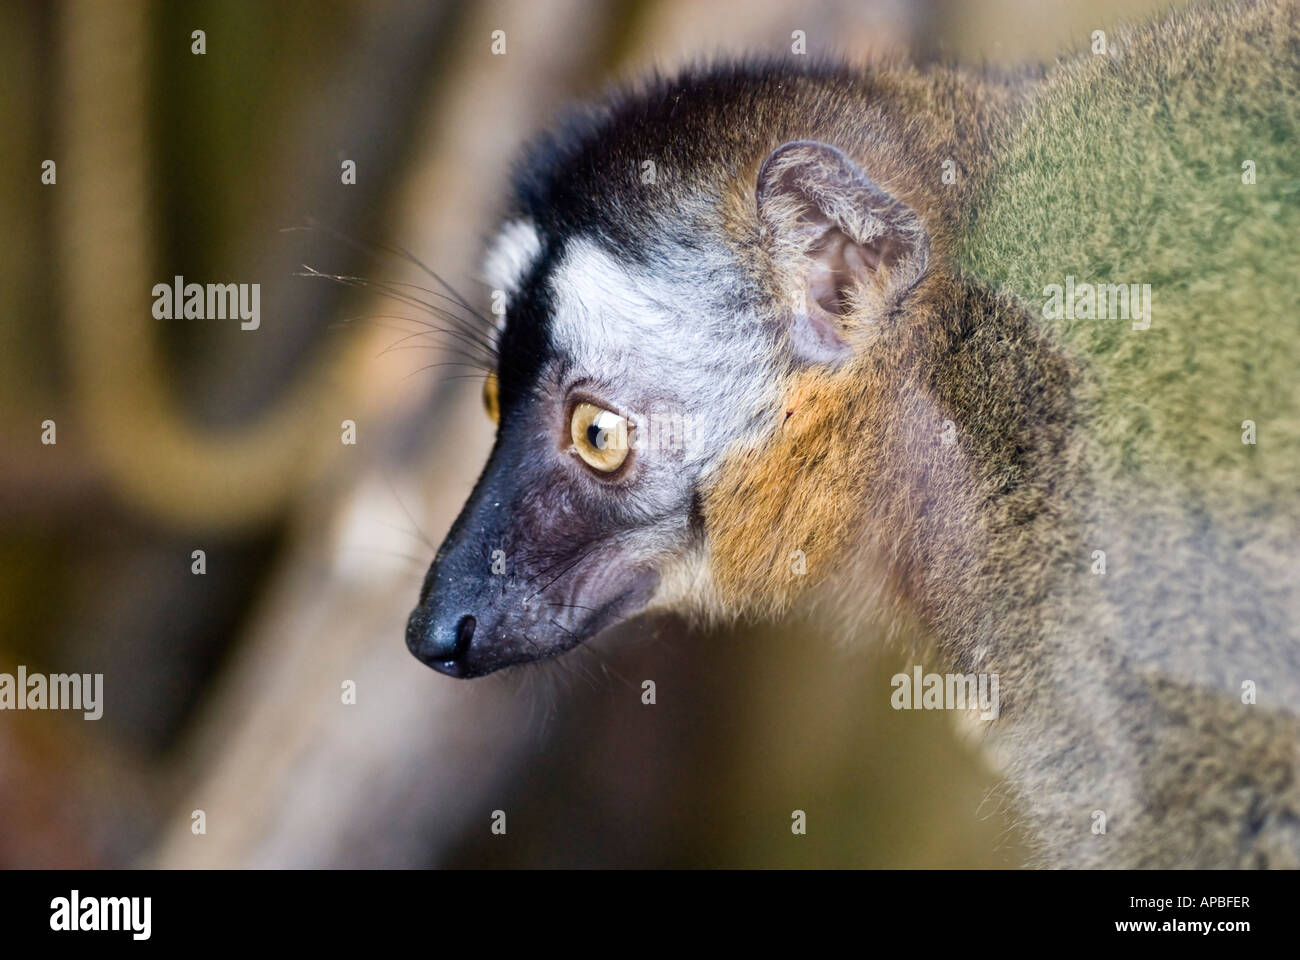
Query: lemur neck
<point x="972" y="447"/>
<point x="915" y="476"/>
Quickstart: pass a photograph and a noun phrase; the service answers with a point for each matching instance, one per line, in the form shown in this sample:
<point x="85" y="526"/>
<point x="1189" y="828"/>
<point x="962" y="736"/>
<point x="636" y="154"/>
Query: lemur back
<point x="1175" y="706"/>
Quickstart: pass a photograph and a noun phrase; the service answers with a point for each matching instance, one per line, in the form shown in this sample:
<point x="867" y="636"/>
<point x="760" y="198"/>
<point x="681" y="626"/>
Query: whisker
<point x="606" y="667"/>
<point x="392" y="289"/>
<point x="460" y="327"/>
<point x="421" y="562"/>
<point x="409" y="533"/>
<point x="445" y="363"/>
<point x="476" y="359"/>
<point x="545" y="570"/>
<point x="394" y="285"/>
<point x="469" y="376"/>
<point x="418" y="529"/>
<point x="398" y="251"/>
<point x="583" y="556"/>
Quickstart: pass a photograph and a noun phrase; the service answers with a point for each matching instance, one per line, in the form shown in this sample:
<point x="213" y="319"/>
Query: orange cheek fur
<point x="800" y="491"/>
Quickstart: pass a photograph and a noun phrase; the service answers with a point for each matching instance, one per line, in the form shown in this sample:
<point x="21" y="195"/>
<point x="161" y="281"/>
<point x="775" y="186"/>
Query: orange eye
<point x="601" y="437"/>
<point x="491" y="398"/>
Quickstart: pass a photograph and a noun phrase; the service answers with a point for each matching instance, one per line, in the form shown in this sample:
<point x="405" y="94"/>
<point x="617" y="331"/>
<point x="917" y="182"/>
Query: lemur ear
<point x="849" y="243"/>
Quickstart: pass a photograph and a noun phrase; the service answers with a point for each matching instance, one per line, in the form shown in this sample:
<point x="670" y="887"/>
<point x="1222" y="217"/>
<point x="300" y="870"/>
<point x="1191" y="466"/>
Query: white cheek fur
<point x="657" y="338"/>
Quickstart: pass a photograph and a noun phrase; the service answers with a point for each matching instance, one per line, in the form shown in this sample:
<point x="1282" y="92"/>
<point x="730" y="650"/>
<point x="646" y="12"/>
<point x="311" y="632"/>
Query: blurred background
<point x="223" y="689"/>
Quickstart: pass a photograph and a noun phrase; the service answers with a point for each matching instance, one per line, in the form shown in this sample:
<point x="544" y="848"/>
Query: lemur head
<point x="694" y="275"/>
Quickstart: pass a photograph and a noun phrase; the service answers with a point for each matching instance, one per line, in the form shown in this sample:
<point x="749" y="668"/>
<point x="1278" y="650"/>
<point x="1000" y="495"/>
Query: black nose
<point x="440" y="642"/>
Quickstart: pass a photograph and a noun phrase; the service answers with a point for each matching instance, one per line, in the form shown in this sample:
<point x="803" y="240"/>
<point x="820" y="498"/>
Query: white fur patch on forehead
<point x="510" y="255"/>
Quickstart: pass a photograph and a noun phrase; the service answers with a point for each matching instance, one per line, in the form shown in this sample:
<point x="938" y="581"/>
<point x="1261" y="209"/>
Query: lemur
<point x="840" y="288"/>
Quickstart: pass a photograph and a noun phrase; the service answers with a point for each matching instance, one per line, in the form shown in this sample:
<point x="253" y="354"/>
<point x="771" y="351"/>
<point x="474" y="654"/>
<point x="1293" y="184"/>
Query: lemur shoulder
<point x="839" y="278"/>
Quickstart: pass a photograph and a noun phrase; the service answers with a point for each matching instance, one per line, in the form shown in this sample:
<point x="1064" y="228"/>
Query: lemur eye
<point x="601" y="437"/>
<point x="491" y="400"/>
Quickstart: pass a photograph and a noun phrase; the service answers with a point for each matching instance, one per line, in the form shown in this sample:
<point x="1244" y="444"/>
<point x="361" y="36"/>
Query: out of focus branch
<point x="156" y="457"/>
